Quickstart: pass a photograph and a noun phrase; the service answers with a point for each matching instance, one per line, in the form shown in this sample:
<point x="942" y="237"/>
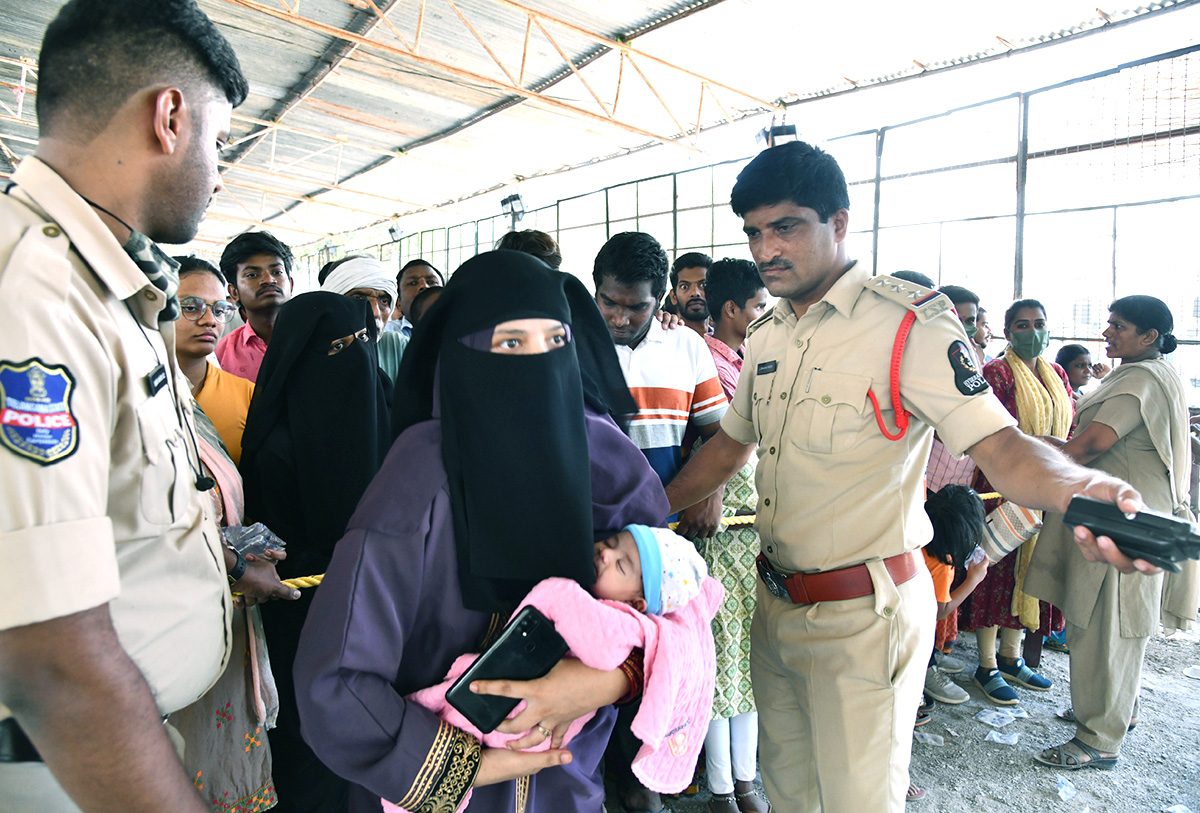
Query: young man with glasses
<point x="223" y="396"/>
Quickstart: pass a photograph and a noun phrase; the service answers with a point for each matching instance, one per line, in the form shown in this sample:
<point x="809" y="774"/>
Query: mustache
<point x="696" y="299"/>
<point x="778" y="264"/>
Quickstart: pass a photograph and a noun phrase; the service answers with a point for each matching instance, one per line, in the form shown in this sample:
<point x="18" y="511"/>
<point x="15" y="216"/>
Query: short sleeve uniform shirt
<point x="833" y="491"/>
<point x="99" y="503"/>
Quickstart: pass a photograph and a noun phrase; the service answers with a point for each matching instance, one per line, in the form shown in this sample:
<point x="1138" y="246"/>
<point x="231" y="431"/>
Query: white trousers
<point x="731" y="751"/>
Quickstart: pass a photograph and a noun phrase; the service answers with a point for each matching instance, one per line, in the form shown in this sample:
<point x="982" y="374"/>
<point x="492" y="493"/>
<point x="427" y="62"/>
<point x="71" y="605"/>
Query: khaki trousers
<point x="1106" y="672"/>
<point x="837" y="686"/>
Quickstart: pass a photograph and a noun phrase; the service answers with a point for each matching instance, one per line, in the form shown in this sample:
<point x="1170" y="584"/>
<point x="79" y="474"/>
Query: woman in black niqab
<point x="519" y="468"/>
<point x="317" y="428"/>
<point x="316" y="433"/>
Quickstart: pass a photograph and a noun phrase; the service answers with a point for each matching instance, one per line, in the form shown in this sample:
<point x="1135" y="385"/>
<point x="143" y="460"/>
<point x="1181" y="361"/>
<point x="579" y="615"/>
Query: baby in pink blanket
<point x="652" y="591"/>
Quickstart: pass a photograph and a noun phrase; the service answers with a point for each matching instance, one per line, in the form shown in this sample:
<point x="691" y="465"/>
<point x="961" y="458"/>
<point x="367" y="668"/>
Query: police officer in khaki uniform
<point x="846" y="613"/>
<point x="115" y="606"/>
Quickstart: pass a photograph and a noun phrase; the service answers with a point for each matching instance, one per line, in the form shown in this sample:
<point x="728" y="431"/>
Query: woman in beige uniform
<point x="1134" y="426"/>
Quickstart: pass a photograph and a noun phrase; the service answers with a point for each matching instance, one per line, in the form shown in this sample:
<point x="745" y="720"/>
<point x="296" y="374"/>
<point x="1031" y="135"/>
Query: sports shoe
<point x="939" y="686"/>
<point x="928" y="704"/>
<point x="1022" y="675"/>
<point x="993" y="685"/>
<point x="948" y="664"/>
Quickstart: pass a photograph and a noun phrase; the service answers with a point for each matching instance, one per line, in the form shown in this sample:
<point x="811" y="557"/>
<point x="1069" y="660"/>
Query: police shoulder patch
<point x="36" y="421"/>
<point x="967" y="377"/>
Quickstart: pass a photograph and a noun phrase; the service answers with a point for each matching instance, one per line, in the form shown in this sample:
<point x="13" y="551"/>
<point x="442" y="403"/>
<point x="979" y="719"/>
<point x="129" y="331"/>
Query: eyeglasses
<point x="193" y="308"/>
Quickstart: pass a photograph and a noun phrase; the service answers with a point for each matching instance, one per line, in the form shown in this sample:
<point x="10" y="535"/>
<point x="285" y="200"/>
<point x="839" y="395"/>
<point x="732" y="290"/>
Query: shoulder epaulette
<point x="926" y="303"/>
<point x="759" y="322"/>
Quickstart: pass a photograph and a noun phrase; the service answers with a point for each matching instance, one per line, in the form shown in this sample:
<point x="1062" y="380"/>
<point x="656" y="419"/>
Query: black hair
<point x="733" y="281"/>
<point x="328" y="268"/>
<point x="420" y="301"/>
<point x="1148" y="313"/>
<point x="957" y="516"/>
<point x="419" y="261"/>
<point x="796" y="173"/>
<point x="632" y="257"/>
<point x="1010" y="315"/>
<point x="97" y="53"/>
<point x="248" y="244"/>
<point x="537" y="243"/>
<point x="916" y="277"/>
<point x="960" y="295"/>
<point x="1069" y="352"/>
<point x="192" y="264"/>
<point x="693" y="259"/>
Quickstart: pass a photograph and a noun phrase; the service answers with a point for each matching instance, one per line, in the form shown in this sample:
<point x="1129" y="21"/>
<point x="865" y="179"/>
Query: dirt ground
<point x="1159" y="766"/>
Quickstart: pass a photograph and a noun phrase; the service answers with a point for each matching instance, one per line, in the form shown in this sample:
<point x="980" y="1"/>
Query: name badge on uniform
<point x="766" y="367"/>
<point x="36" y="421"/>
<point x="156" y="379"/>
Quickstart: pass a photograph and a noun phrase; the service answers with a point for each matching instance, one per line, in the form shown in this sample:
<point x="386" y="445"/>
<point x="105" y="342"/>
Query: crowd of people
<point x="243" y="565"/>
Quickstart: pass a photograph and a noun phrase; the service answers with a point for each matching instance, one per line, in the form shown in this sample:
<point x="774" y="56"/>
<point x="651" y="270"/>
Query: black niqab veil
<point x="317" y="429"/>
<point x="514" y="433"/>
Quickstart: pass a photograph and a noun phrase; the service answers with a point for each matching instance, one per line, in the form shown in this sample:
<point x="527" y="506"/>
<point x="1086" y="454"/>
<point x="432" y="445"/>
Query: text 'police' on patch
<point x="967" y="377"/>
<point x="36" y="421"/>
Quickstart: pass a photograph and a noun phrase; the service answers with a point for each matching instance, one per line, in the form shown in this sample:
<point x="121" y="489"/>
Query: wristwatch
<point x="239" y="567"/>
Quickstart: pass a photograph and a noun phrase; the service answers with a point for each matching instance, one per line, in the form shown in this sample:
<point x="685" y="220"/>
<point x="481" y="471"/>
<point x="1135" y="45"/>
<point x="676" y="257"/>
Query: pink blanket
<point x="680" y="667"/>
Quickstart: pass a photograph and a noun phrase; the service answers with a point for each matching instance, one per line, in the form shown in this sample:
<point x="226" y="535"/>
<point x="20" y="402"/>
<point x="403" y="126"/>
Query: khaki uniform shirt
<point x="99" y="503"/>
<point x="832" y="490"/>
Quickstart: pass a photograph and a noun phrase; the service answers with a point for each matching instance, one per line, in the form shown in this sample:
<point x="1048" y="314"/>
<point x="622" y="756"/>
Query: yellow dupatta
<point x="1041" y="410"/>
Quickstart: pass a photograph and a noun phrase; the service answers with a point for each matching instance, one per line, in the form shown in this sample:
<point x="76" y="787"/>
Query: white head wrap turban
<point x="361" y="272"/>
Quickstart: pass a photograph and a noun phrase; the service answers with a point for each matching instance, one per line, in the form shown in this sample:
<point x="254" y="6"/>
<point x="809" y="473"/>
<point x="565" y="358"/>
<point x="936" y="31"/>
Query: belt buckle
<point x="774" y="581"/>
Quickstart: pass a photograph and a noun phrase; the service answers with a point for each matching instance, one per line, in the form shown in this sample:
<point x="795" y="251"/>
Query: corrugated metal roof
<point x="353" y="118"/>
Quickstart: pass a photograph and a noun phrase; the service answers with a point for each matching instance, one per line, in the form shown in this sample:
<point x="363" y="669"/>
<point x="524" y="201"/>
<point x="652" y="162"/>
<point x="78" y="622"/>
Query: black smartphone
<point x="527" y="649"/>
<point x="1160" y="539"/>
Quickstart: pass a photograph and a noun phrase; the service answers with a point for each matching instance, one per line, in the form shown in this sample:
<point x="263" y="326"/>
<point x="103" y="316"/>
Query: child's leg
<point x="743" y="743"/>
<point x="717" y="756"/>
<point x="986" y="636"/>
<point x="1010" y="644"/>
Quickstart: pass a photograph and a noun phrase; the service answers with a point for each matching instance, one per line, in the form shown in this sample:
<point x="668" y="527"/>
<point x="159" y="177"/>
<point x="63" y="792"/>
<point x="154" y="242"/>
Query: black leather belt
<point x="14" y="745"/>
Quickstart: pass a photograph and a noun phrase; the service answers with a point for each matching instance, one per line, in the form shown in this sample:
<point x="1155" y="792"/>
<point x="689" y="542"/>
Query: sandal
<point x="1069" y="757"/>
<point x="1068" y="714"/>
<point x="723" y="803"/>
<point x="914" y="793"/>
<point x="751" y="802"/>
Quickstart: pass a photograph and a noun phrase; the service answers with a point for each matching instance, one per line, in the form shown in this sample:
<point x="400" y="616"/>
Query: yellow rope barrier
<point x="313" y="581"/>
<point x="727" y="522"/>
<point x="746" y="519"/>
<point x="305" y="581"/>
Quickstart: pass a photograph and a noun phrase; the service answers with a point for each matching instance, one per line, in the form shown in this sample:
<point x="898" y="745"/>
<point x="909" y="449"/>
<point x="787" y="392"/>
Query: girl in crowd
<point x="1134" y="425"/>
<point x="316" y="433"/>
<point x="1037" y="394"/>
<point x="506" y="469"/>
<point x="1077" y="361"/>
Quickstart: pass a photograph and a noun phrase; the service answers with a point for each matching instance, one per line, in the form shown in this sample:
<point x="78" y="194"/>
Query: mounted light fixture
<point x="514" y="207"/>
<point x="777" y="134"/>
<point x="395" y="232"/>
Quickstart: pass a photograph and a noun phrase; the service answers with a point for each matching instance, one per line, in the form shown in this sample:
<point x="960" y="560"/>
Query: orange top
<point x="943" y="575"/>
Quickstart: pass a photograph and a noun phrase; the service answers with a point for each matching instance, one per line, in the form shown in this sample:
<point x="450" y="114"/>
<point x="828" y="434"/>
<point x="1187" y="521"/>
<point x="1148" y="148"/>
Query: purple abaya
<point x="389" y="619"/>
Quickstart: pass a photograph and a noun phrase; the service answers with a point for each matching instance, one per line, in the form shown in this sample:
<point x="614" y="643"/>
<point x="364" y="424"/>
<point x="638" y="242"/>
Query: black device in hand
<point x="527" y="649"/>
<point x="1160" y="539"/>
